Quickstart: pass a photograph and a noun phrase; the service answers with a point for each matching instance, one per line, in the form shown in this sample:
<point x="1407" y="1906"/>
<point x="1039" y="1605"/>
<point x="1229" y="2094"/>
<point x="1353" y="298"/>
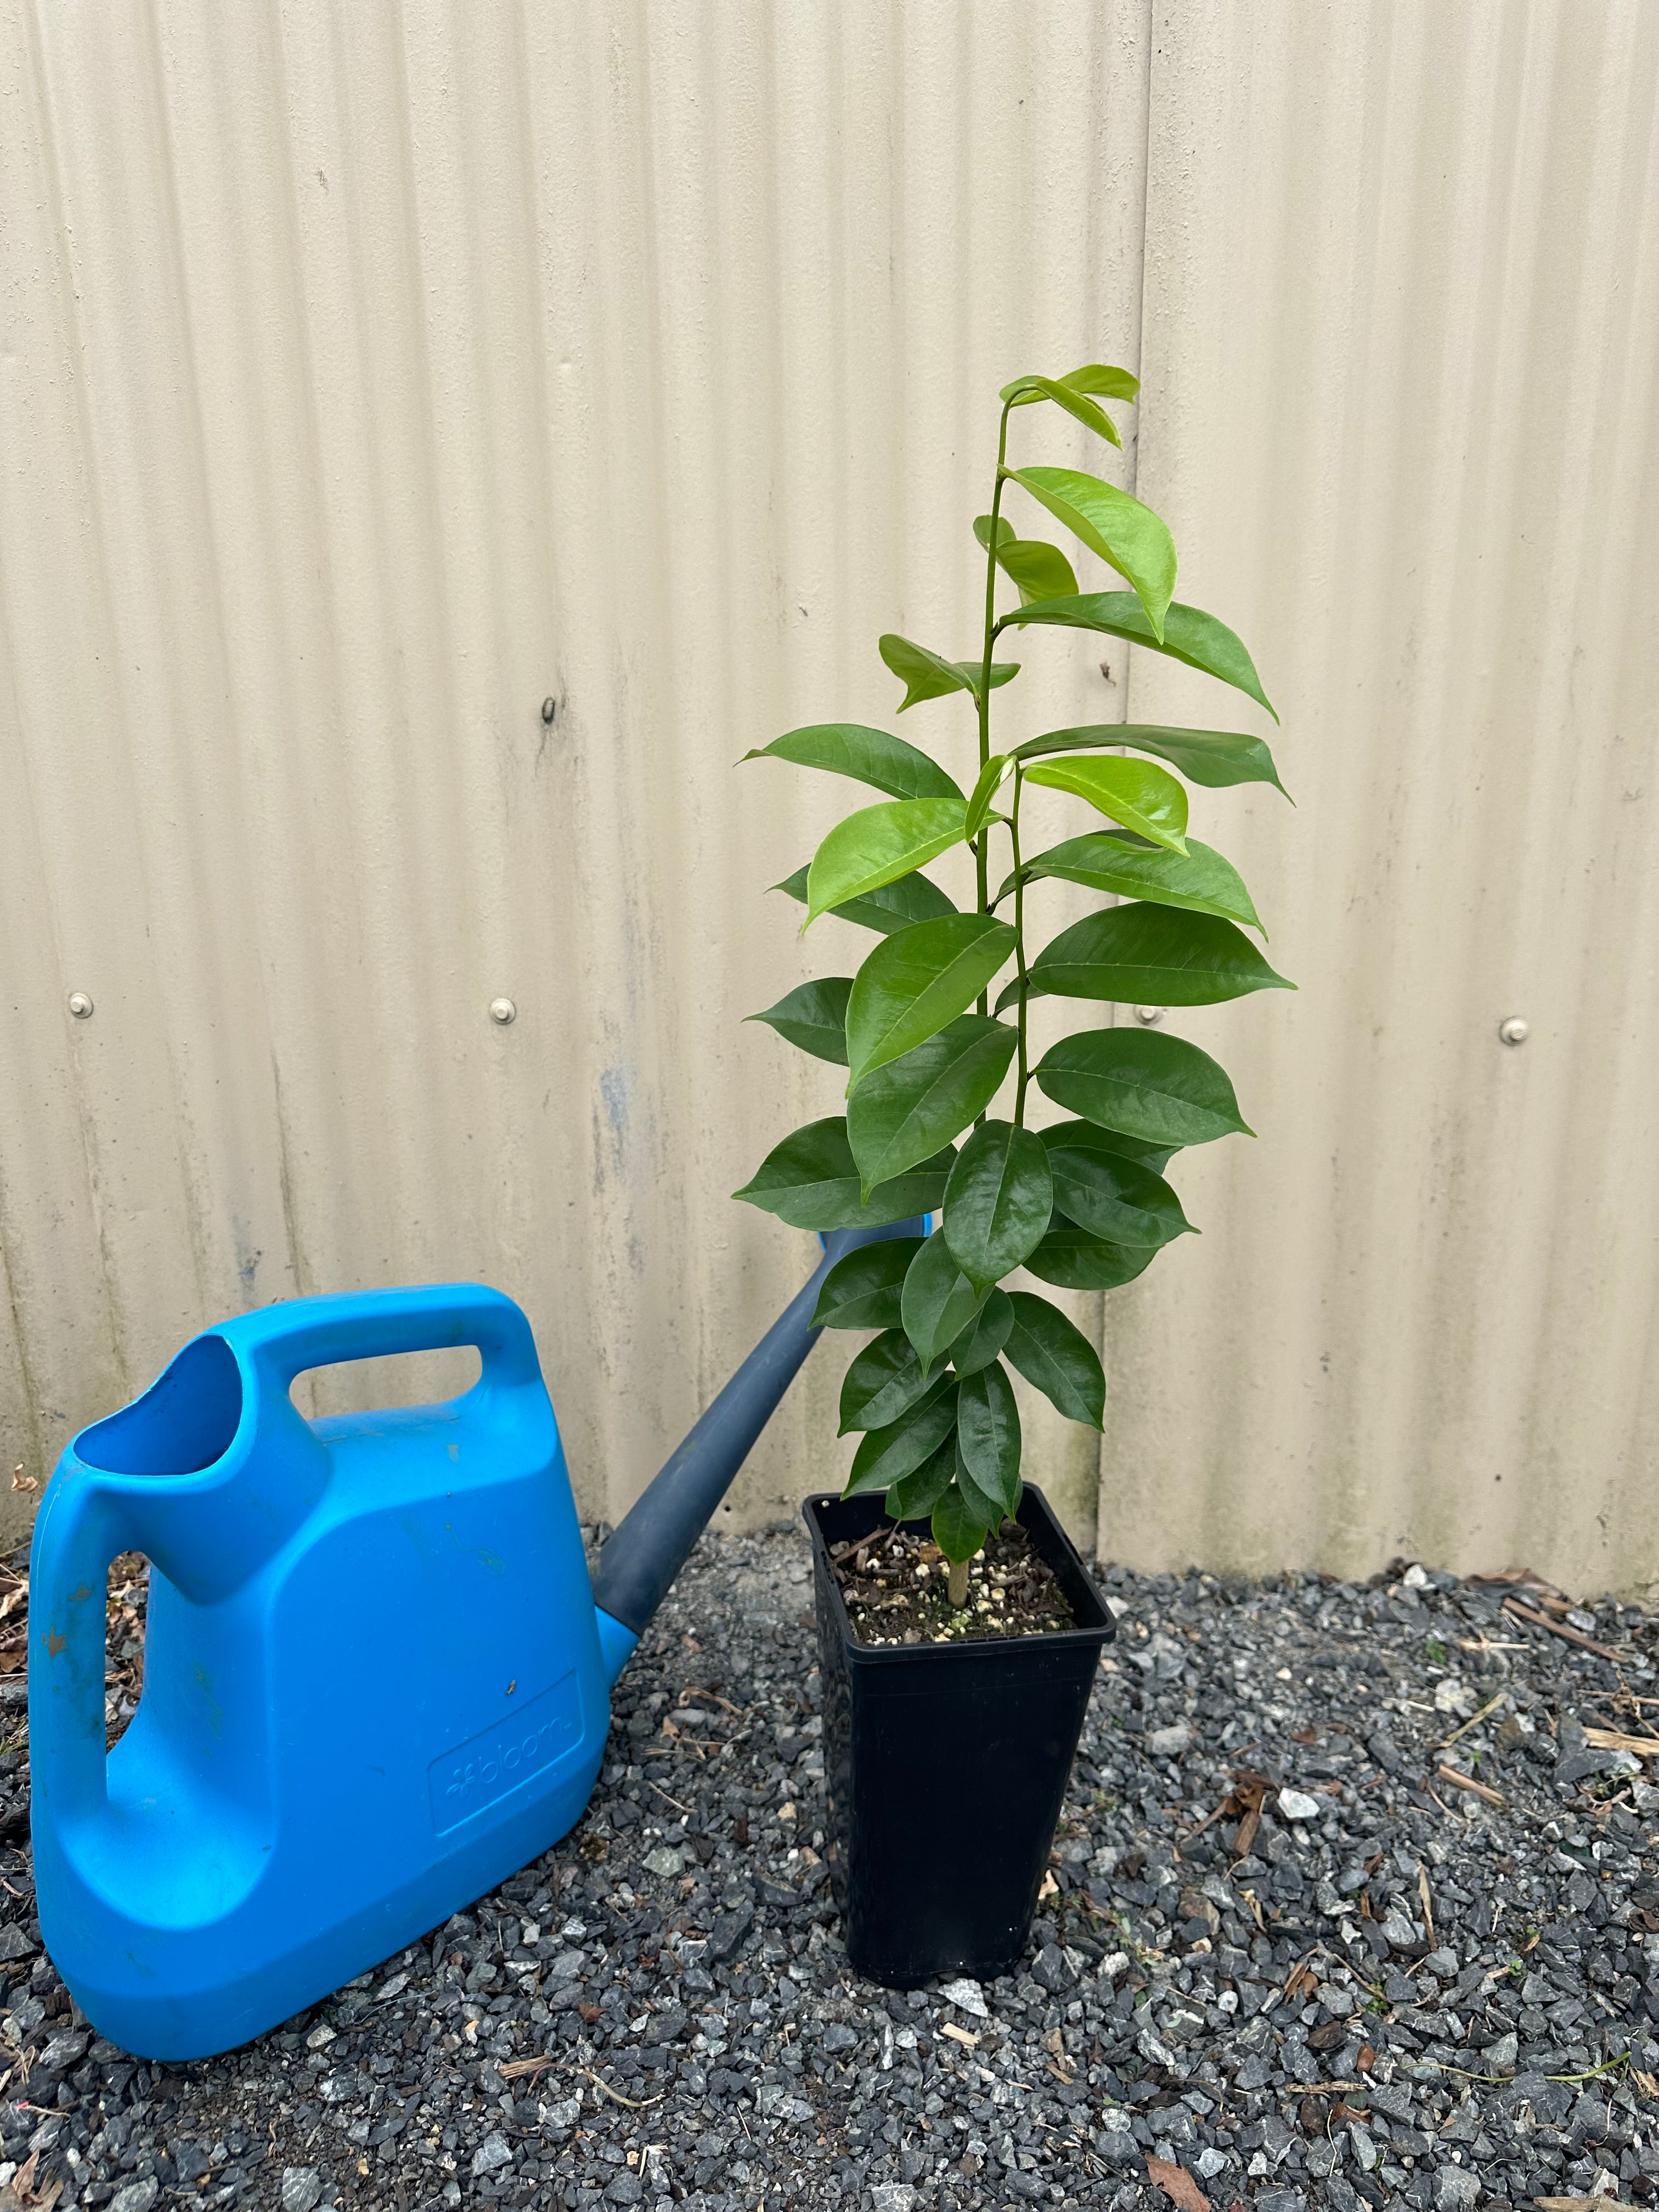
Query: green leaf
<point x="998" y="1202"/>
<point x="1134" y="793"/>
<point x="925" y="676"/>
<point x="1025" y="390"/>
<point x="916" y="982"/>
<point x="1057" y="1358"/>
<point x="991" y="777"/>
<point x="1093" y="376"/>
<point x="1198" y="880"/>
<point x="1214" y="758"/>
<point x="905" y="1445"/>
<point x="878" y="844"/>
<point x="1130" y="537"/>
<point x="811" y="1181"/>
<point x="869" y="756"/>
<point x="1090" y="1136"/>
<point x="980" y="1504"/>
<point x="1154" y="955"/>
<point x="1041" y="570"/>
<point x="1145" y="1084"/>
<point x="939" y="1302"/>
<point x="984" y="1337"/>
<point x="892" y="906"/>
<point x="813" y="1017"/>
<point x="905" y="1111"/>
<point x="862" y="1291"/>
<point x="914" y="1496"/>
<point x="884" y="1381"/>
<point x="1109" y="1196"/>
<point x="956" y="1531"/>
<point x="988" y="1434"/>
<point x="1189" y="634"/>
<point x="1076" y="1260"/>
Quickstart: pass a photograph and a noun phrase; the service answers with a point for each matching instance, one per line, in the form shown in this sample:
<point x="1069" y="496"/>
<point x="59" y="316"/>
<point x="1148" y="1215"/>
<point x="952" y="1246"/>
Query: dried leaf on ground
<point x="1177" y="2185"/>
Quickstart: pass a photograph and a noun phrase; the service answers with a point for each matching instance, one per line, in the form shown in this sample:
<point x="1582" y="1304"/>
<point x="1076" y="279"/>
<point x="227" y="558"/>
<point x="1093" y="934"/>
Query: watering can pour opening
<point x="186" y="1419"/>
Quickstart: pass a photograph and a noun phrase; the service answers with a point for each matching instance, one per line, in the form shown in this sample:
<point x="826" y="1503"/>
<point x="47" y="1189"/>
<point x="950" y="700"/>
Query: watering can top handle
<point x="284" y="1341"/>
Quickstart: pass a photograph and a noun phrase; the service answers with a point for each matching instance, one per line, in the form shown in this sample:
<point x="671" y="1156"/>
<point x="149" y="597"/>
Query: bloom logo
<point x="502" y="1758"/>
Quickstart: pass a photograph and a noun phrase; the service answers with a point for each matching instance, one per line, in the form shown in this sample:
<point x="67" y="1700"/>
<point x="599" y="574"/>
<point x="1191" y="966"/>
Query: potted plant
<point x="959" y="1630"/>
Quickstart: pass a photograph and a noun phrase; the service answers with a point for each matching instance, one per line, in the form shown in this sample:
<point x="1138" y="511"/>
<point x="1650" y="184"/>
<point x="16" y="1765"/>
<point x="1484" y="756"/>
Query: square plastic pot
<point x="946" y="1765"/>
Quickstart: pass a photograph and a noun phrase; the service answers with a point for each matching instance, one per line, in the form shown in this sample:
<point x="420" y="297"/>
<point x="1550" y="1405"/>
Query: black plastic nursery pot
<point x="946" y="1765"/>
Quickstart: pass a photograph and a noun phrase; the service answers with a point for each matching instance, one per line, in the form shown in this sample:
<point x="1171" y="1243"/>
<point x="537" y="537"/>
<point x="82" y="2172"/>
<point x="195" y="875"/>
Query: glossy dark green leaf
<point x="980" y="1504"/>
<point x="869" y="756"/>
<point x="1126" y="534"/>
<point x="1189" y="635"/>
<point x="1134" y="793"/>
<point x="956" y="1531"/>
<point x="813" y="1017"/>
<point x="991" y="777"/>
<point x="885" y="1455"/>
<point x="1041" y="570"/>
<point x="998" y="1202"/>
<point x="924" y="675"/>
<point x="915" y="897"/>
<point x="1146" y="1083"/>
<point x="1076" y="1260"/>
<point x="1198" y="880"/>
<point x="914" y="1496"/>
<point x="878" y="844"/>
<point x="884" y="1381"/>
<point x="905" y="1111"/>
<point x="1109" y="1196"/>
<point x="1214" y="758"/>
<point x="1154" y="955"/>
<point x="916" y="982"/>
<point x="938" y="1302"/>
<point x="1055" y="1358"/>
<point x="1026" y="390"/>
<point x="1091" y="1136"/>
<point x="988" y="1434"/>
<point x="862" y="1291"/>
<point x="811" y="1181"/>
<point x="984" y="1337"/>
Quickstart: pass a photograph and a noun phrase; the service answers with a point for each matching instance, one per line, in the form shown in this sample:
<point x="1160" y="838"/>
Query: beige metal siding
<point x="367" y="376"/>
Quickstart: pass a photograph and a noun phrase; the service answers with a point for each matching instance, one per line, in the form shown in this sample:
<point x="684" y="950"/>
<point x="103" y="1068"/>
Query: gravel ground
<point x="1358" y="1983"/>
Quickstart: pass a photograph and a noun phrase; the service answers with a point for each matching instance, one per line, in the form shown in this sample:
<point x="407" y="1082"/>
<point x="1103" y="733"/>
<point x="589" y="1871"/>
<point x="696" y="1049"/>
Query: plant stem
<point x="982" y="842"/>
<point x="956" y="1587"/>
<point x="1019" y="948"/>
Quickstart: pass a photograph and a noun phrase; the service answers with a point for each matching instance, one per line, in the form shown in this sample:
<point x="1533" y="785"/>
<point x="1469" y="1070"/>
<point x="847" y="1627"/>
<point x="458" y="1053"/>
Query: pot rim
<point x="1048" y="1639"/>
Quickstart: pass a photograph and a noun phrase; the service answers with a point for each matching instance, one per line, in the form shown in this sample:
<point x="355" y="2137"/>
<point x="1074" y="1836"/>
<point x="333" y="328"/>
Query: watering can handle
<point x="80" y="1527"/>
<point x="284" y="1341"/>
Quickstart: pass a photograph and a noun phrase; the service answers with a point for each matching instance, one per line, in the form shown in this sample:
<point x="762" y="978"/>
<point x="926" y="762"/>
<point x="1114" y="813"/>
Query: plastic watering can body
<point x="375" y="1683"/>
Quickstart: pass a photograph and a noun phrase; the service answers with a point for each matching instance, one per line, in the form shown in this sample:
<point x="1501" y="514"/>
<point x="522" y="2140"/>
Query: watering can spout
<point x="652" y="1541"/>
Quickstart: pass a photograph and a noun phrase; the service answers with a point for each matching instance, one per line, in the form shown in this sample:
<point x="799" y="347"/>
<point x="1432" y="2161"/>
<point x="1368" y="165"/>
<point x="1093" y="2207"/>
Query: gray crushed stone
<point x="659" y="2012"/>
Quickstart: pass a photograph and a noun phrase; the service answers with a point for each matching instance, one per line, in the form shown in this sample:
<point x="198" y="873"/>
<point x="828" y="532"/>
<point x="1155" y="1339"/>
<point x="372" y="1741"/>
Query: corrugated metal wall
<point x="367" y="377"/>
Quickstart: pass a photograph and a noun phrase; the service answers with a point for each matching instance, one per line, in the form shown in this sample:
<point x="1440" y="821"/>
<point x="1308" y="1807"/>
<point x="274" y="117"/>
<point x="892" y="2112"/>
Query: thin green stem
<point x="1019" y="947"/>
<point x="982" y="842"/>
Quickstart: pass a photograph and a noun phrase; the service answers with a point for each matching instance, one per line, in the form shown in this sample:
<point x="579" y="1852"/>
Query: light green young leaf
<point x="1026" y="390"/>
<point x="991" y="777"/>
<point x="1134" y="793"/>
<point x="1109" y="1196"/>
<point x="1215" y="758"/>
<point x="1198" y="880"/>
<point x="890" y="907"/>
<point x="988" y="1434"/>
<point x="884" y="1380"/>
<point x="878" y="844"/>
<point x="1041" y="570"/>
<point x="1143" y="1082"/>
<point x="957" y="1531"/>
<point x="1130" y="537"/>
<point x="916" y="982"/>
<point x="981" y="1342"/>
<point x="924" y="675"/>
<point x="914" y="1496"/>
<point x="938" y="1302"/>
<point x="869" y="756"/>
<point x="998" y="1202"/>
<point x="1071" y="1257"/>
<point x="1093" y="376"/>
<point x="1188" y="634"/>
<point x="887" y="1454"/>
<point x="813" y="1017"/>
<point x="862" y="1291"/>
<point x="810" y="1181"/>
<point x="1055" y="1358"/>
<point x="1153" y="955"/>
<point x="903" y="1112"/>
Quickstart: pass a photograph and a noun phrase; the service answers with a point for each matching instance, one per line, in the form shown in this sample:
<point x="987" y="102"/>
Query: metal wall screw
<point x="1149" y="1016"/>
<point x="502" y="1011"/>
<point x="79" y="1006"/>
<point x="1514" y="1031"/>
<point x="549" y="707"/>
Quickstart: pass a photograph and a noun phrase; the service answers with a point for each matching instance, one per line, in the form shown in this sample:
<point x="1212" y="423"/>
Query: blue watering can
<point x="376" y="1677"/>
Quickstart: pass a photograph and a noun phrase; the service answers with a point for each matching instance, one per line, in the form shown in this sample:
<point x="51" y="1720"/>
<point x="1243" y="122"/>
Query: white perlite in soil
<point x="1401" y="1992"/>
